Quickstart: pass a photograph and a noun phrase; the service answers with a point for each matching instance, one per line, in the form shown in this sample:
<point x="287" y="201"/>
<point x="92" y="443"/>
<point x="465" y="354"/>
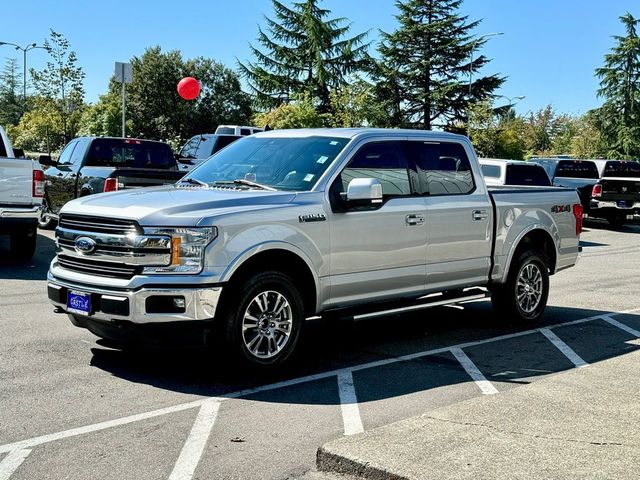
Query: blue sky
<point x="549" y="49"/>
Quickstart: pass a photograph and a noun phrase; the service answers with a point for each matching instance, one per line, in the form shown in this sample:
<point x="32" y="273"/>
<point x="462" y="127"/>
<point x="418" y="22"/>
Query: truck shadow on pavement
<point x="385" y="358"/>
<point x="33" y="269"/>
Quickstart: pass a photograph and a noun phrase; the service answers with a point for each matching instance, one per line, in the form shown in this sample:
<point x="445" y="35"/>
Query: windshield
<point x="622" y="169"/>
<point x="279" y="163"/>
<point x="199" y="146"/>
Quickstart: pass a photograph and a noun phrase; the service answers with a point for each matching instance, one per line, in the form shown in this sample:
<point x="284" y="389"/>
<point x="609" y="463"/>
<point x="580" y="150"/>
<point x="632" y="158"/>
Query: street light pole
<point x="473" y="46"/>
<point x="24" y="50"/>
<point x="511" y="99"/>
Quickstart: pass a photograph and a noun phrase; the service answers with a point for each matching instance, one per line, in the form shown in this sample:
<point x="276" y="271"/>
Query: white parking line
<point x="486" y="387"/>
<point x="34" y="441"/>
<point x="621" y="326"/>
<point x="11" y="462"/>
<point x="193" y="448"/>
<point x="564" y="348"/>
<point x="349" y="404"/>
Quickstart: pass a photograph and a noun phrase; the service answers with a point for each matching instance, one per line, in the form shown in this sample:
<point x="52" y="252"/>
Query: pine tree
<point x="619" y="117"/>
<point x="427" y="63"/>
<point x="11" y="102"/>
<point x="304" y="53"/>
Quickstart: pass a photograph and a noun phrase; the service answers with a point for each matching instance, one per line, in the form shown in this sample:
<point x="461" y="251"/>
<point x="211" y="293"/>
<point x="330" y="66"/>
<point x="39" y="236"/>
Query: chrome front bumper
<point x="114" y="305"/>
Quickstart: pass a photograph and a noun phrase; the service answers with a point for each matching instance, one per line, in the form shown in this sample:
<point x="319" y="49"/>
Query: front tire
<point x="524" y="295"/>
<point x="46" y="222"/>
<point x="263" y="320"/>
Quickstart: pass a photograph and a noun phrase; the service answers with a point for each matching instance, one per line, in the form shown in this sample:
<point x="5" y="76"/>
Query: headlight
<point x="187" y="248"/>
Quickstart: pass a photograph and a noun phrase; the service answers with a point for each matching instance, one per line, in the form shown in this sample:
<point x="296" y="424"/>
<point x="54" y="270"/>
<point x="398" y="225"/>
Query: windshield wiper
<point x="193" y="181"/>
<point x="242" y="181"/>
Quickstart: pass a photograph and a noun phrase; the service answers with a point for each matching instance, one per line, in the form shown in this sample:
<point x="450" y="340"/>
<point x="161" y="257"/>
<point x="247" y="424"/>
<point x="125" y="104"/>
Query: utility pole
<point x="123" y="75"/>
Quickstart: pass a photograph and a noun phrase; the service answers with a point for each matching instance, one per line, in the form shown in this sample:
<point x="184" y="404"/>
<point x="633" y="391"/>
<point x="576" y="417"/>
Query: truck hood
<point x="174" y="206"/>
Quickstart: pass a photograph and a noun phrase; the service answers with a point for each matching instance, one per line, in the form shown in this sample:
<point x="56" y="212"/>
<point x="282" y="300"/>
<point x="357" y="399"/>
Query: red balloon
<point x="188" y="88"/>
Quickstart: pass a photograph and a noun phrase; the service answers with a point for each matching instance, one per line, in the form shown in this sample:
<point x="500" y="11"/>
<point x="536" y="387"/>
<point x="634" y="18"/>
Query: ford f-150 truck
<point x="89" y="165"/>
<point x="286" y="225"/>
<point x="21" y="191"/>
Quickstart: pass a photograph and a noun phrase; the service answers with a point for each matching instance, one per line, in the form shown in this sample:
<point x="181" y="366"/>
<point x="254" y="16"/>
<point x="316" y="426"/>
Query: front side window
<point x="443" y="168"/>
<point x="276" y="162"/>
<point x="199" y="146"/>
<point x="65" y="155"/>
<point x="383" y="161"/>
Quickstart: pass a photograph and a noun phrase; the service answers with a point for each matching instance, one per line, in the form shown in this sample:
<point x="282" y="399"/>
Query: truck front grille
<point x="93" y="267"/>
<point x="90" y="224"/>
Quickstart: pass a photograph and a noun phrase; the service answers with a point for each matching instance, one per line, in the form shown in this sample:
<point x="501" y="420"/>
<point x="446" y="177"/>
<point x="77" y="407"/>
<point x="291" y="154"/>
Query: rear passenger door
<point x="377" y="251"/>
<point x="458" y="215"/>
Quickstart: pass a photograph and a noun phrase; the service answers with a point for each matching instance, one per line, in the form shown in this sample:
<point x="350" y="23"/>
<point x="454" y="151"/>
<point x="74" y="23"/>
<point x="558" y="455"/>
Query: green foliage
<point x="425" y="63"/>
<point x="154" y="108"/>
<point x="60" y="82"/>
<point x="297" y="114"/>
<point x="495" y="135"/>
<point x="355" y="105"/>
<point x="304" y="52"/>
<point x="11" y="103"/>
<point x="619" y="116"/>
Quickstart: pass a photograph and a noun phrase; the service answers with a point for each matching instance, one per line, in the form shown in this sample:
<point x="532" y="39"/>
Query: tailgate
<point x="620" y="189"/>
<point x="138" y="177"/>
<point x="16" y="181"/>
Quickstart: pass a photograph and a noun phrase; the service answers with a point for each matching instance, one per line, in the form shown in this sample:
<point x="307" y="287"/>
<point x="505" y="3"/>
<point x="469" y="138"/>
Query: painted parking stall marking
<point x="196" y="441"/>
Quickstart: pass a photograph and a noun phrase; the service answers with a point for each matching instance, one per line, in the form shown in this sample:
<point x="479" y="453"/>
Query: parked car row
<point x="608" y="189"/>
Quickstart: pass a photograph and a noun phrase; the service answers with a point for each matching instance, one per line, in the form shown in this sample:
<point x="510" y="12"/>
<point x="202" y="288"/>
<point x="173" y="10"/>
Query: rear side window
<point x="384" y="161"/>
<point x="492" y="171"/>
<point x="113" y="152"/>
<point x="621" y="169"/>
<point x="577" y="169"/>
<point x="442" y="168"/>
<point x="245" y="131"/>
<point x="223" y="141"/>
<point x="527" y="175"/>
<point x="226" y="130"/>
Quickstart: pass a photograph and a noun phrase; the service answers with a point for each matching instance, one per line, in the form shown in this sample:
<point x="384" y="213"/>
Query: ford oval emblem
<point x="85" y="245"/>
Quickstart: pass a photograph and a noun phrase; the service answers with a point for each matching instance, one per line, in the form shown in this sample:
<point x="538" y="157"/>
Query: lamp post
<point x="473" y="46"/>
<point x="511" y="99"/>
<point x="24" y="50"/>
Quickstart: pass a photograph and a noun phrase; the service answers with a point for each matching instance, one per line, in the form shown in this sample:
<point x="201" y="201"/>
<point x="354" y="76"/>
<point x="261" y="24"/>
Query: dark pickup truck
<point x="89" y="165"/>
<point x="616" y="197"/>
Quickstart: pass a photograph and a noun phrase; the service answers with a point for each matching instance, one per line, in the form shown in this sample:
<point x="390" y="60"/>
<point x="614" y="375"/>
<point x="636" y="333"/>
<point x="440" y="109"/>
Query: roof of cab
<point x="357" y="132"/>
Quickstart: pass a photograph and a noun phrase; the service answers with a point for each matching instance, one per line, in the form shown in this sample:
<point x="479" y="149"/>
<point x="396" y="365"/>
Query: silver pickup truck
<point x="286" y="225"/>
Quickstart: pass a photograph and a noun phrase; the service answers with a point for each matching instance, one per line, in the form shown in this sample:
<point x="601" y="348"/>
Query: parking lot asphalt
<point x="72" y="408"/>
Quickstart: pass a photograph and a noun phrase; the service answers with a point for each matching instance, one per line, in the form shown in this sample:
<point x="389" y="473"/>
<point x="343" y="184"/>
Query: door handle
<point x="414" y="219"/>
<point x="479" y="215"/>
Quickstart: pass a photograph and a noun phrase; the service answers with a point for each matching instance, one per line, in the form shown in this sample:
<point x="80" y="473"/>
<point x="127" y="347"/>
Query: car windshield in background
<point x="199" y="146"/>
<point x="577" y="169"/>
<point x="622" y="169"/>
<point x="279" y="163"/>
<point x="520" y="174"/>
<point x="114" y="152"/>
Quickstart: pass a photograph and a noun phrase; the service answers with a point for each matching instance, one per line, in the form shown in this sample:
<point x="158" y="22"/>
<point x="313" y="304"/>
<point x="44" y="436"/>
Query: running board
<point x="435" y="301"/>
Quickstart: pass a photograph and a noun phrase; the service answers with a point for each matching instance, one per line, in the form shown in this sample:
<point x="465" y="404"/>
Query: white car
<point x="513" y="172"/>
<point x="237" y="130"/>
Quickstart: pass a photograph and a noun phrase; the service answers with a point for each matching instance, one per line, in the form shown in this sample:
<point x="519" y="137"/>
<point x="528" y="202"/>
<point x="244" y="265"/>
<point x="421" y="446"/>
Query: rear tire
<point x="263" y="319"/>
<point x="616" y="222"/>
<point x="23" y="244"/>
<point x="523" y="297"/>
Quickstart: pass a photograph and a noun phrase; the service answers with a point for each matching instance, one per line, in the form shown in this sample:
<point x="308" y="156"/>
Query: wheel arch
<point x="536" y="238"/>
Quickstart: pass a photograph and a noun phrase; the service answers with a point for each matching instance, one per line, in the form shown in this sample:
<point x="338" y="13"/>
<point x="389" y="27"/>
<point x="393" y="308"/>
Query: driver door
<point x="377" y="251"/>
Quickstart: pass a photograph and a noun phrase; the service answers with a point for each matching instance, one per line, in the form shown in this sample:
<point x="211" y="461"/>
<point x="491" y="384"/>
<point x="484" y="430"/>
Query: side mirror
<point x="364" y="191"/>
<point x="18" y="153"/>
<point x="46" y="161"/>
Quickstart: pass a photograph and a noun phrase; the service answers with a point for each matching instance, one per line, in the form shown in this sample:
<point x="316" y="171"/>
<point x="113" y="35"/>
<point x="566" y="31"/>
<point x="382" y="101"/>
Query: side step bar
<point x="429" y="301"/>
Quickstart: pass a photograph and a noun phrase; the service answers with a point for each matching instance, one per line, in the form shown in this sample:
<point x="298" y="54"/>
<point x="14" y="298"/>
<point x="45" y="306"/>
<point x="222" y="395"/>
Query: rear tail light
<point x="597" y="190"/>
<point x="110" y="185"/>
<point x="577" y="212"/>
<point x="38" y="183"/>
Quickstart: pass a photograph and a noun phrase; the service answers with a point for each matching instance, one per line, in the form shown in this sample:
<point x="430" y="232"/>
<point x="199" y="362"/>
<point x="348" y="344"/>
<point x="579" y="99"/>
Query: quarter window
<point x="383" y="161"/>
<point x="442" y="168"/>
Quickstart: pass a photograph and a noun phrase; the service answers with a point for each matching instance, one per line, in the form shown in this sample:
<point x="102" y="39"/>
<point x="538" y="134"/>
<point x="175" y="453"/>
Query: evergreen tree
<point x="426" y="65"/>
<point x="11" y="103"/>
<point x="619" y="117"/>
<point x="304" y="52"/>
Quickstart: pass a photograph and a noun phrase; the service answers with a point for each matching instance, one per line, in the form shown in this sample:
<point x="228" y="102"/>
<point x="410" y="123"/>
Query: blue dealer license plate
<point x="78" y="302"/>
